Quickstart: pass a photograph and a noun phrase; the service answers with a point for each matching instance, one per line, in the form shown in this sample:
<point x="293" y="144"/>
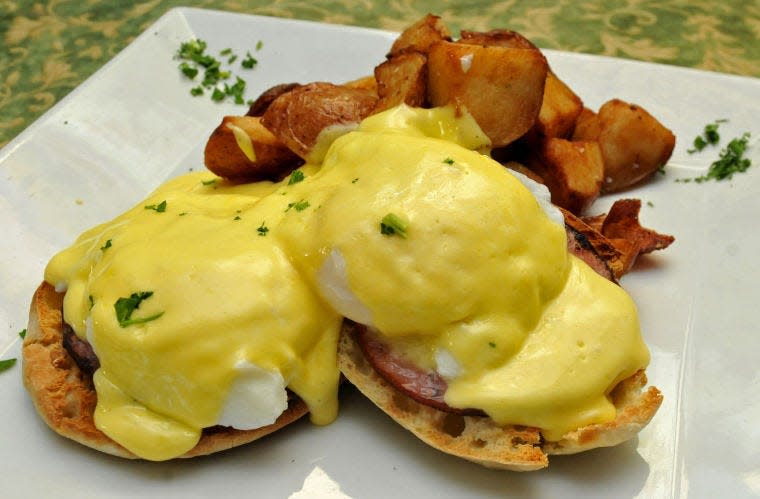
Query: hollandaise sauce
<point x="208" y="299"/>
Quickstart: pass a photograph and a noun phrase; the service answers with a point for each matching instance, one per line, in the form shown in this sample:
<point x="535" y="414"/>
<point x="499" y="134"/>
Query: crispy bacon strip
<point x="621" y="230"/>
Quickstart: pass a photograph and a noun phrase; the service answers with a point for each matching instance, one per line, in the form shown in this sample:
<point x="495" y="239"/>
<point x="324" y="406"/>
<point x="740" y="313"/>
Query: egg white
<point x="256" y="398"/>
<point x="542" y="195"/>
<point x="332" y="280"/>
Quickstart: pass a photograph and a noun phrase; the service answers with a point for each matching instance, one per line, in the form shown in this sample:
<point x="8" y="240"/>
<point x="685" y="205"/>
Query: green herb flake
<point x="106" y="245"/>
<point x="710" y="136"/>
<point x="194" y="59"/>
<point x="392" y="224"/>
<point x="91" y="300"/>
<point x="218" y="95"/>
<point x="210" y="181"/>
<point x="6" y="364"/>
<point x="299" y="205"/>
<point x="237" y="217"/>
<point x="249" y="62"/>
<point x="237" y="90"/>
<point x="259" y="44"/>
<point x="158" y="208"/>
<point x="188" y="70"/>
<point x="492" y="344"/>
<point x="263" y="229"/>
<point x="192" y="49"/>
<point x="124" y="308"/>
<point x="296" y="177"/>
<point x="699" y="144"/>
<point x="448" y="161"/>
<point x="355" y="180"/>
<point x="22" y="334"/>
<point x="730" y="161"/>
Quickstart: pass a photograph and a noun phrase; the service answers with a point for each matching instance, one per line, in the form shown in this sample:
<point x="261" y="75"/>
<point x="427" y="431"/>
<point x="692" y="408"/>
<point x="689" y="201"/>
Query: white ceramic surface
<point x="134" y="124"/>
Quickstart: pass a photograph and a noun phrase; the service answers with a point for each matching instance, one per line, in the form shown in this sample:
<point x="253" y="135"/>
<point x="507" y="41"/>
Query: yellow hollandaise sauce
<point x="208" y="294"/>
<point x="218" y="315"/>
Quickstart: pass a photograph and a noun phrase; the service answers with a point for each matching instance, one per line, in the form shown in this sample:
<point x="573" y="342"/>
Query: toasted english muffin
<point x="478" y="438"/>
<point x="65" y="397"/>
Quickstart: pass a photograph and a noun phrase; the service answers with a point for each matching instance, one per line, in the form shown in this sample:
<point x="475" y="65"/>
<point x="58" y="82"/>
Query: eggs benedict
<point x="212" y="304"/>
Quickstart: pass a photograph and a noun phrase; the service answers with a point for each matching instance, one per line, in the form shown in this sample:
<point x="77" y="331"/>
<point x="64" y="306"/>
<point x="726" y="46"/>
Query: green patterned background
<point x="48" y="48"/>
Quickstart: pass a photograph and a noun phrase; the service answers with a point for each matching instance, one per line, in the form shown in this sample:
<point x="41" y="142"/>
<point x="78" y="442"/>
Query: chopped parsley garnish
<point x="218" y="95"/>
<point x="210" y="181"/>
<point x="355" y="180"/>
<point x="106" y="245"/>
<point x="195" y="59"/>
<point x="194" y="50"/>
<point x="6" y="364"/>
<point x="448" y="161"/>
<point x="296" y="177"/>
<point x="22" y="334"/>
<point x="710" y="136"/>
<point x="730" y="161"/>
<point x="237" y="217"/>
<point x="235" y="91"/>
<point x="124" y="308"/>
<point x="92" y="301"/>
<point x="159" y="208"/>
<point x="259" y="44"/>
<point x="249" y="62"/>
<point x="492" y="344"/>
<point x="392" y="224"/>
<point x="263" y="229"/>
<point x="298" y="206"/>
<point x="188" y="70"/>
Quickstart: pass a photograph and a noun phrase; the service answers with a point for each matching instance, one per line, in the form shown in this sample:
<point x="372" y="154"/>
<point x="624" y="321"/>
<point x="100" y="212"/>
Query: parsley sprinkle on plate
<point x="6" y="364"/>
<point x="217" y="72"/>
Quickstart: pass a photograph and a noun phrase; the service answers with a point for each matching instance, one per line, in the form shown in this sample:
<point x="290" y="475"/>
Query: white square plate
<point x="133" y="124"/>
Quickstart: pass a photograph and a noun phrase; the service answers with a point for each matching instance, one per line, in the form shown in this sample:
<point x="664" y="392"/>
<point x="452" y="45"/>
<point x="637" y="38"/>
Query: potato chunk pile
<point x="536" y="124"/>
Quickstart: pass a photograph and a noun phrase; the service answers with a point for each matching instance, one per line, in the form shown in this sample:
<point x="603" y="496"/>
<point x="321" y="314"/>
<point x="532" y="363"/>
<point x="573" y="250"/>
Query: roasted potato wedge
<point x="262" y="102"/>
<point x="572" y="171"/>
<point x="586" y="125"/>
<point x="497" y="38"/>
<point x="402" y="79"/>
<point x="420" y="36"/>
<point x="634" y="144"/>
<point x="560" y="106"/>
<point x="297" y="118"/>
<point x="242" y="149"/>
<point x="502" y="87"/>
<point x="364" y="83"/>
<point x="560" y="109"/>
